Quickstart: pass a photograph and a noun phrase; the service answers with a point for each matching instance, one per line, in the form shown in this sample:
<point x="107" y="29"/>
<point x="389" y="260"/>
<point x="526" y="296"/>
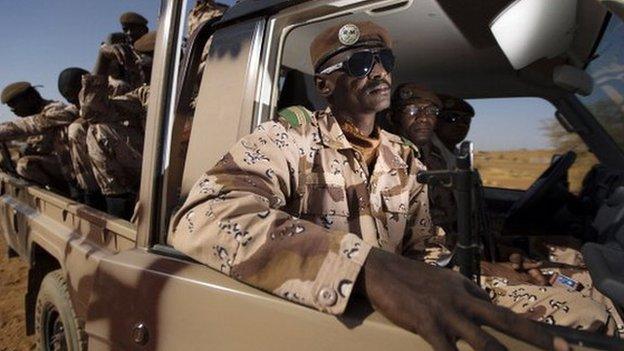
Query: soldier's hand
<point x="443" y="306"/>
<point x="115" y="52"/>
<point x="524" y="264"/>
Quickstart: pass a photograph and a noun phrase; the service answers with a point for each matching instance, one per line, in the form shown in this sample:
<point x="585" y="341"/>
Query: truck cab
<point x="104" y="283"/>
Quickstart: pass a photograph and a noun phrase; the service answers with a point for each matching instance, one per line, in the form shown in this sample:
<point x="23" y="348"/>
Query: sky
<point x="40" y="38"/>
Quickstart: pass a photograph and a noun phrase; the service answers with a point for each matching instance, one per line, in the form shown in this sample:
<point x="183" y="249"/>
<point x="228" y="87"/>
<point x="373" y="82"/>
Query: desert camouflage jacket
<point x="293" y="210"/>
<point x="54" y="115"/>
<point x="97" y="106"/>
<point x="46" y="133"/>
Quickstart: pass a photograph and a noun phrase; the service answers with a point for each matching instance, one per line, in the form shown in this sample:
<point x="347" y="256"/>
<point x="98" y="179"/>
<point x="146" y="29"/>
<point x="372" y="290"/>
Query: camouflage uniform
<point x="47" y="158"/>
<point x="80" y="158"/>
<point x="115" y="134"/>
<point x="441" y="200"/>
<point x="292" y="209"/>
<point x="203" y="11"/>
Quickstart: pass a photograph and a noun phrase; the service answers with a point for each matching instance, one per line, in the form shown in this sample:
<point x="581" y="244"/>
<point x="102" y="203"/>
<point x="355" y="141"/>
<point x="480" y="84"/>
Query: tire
<point x="56" y="325"/>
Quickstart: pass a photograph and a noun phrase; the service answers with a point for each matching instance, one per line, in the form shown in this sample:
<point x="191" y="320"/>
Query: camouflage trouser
<point x="587" y="309"/>
<point x="80" y="158"/>
<point x="116" y="152"/>
<point x="42" y="169"/>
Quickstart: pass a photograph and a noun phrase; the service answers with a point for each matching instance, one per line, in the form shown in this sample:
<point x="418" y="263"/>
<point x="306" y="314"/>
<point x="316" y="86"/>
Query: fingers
<point x="438" y="339"/>
<point x="476" y="290"/>
<point x="471" y="333"/>
<point x="537" y="277"/>
<point x="506" y="321"/>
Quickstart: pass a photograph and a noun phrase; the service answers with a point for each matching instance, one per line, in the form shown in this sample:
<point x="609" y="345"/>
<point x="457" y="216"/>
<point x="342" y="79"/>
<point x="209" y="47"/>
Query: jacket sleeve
<point x="423" y="241"/>
<point x="54" y="115"/>
<point x="234" y="221"/>
<point x="96" y="106"/>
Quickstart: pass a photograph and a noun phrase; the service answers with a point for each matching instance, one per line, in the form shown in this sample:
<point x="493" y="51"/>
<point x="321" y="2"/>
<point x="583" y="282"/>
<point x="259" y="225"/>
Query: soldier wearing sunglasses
<point x="452" y="127"/>
<point x="317" y="206"/>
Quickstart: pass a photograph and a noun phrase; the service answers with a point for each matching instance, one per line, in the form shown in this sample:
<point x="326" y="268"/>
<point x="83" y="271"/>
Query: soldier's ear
<point x="324" y="85"/>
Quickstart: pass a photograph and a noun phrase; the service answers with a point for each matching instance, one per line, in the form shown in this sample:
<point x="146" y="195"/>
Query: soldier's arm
<point x="96" y="106"/>
<point x="423" y="241"/>
<point x="54" y="116"/>
<point x="233" y="221"/>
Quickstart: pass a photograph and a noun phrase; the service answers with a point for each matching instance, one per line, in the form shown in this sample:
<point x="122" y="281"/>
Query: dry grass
<point x="518" y="169"/>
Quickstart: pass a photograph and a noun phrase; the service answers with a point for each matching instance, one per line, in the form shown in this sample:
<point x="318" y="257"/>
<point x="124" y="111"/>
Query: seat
<point x="605" y="259"/>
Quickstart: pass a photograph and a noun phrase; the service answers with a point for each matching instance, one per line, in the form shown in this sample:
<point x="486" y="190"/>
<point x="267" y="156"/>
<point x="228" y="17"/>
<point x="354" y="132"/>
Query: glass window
<point x="606" y="102"/>
<point x="516" y="139"/>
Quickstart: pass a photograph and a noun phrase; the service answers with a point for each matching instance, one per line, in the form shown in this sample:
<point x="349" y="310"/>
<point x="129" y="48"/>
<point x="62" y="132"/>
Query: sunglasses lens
<point x="360" y="64"/>
<point x="387" y="60"/>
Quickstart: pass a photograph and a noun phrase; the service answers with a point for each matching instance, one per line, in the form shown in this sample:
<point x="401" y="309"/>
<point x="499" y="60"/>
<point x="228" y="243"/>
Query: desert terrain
<point x="13" y="280"/>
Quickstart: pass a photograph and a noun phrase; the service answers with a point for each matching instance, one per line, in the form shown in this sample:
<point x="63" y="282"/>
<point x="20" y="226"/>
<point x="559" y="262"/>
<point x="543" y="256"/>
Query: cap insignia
<point x="349" y="34"/>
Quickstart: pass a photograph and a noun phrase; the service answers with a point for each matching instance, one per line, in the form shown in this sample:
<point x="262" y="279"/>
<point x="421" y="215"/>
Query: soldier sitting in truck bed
<point x="116" y="132"/>
<point x="69" y="85"/>
<point x="318" y="206"/>
<point x="518" y="284"/>
<point x="44" y="123"/>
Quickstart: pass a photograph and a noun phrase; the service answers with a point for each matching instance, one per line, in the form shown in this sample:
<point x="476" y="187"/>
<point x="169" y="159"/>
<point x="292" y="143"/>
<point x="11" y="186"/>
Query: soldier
<point x="44" y="122"/>
<point x="316" y="206"/>
<point x="115" y="134"/>
<point x="415" y="111"/>
<point x="452" y="127"/>
<point x="69" y="85"/>
<point x="519" y="284"/>
<point x="204" y="10"/>
<point x="133" y="25"/>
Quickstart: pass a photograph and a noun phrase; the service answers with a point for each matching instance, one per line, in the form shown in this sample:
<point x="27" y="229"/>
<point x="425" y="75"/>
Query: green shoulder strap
<point x="296" y="115"/>
<point x="412" y="145"/>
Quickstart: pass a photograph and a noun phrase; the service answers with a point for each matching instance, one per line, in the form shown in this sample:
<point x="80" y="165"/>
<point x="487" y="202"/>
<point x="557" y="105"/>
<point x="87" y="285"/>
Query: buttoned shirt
<point x="293" y="209"/>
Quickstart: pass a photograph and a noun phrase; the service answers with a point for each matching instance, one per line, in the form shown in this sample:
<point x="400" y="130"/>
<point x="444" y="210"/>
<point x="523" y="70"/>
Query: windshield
<point x="606" y="102"/>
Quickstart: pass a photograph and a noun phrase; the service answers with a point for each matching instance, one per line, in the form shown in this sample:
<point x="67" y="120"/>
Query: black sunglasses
<point x="361" y="63"/>
<point x="452" y="117"/>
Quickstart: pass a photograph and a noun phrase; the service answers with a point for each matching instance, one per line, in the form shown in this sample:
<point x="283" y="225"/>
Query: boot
<point x="120" y="206"/>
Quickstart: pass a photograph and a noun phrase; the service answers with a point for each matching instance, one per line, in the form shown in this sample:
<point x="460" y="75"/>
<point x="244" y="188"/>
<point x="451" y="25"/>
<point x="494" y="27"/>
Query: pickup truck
<point x="102" y="283"/>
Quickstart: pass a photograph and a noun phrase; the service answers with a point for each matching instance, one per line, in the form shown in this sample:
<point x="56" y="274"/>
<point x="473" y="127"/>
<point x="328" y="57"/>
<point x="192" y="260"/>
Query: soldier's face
<point x="369" y="94"/>
<point x="453" y="129"/>
<point x="23" y="105"/>
<point x="134" y="31"/>
<point x="417" y="121"/>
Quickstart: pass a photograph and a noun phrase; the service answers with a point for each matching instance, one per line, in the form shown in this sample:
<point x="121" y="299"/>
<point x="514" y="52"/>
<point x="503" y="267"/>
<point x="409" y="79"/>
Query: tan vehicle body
<point x="127" y="292"/>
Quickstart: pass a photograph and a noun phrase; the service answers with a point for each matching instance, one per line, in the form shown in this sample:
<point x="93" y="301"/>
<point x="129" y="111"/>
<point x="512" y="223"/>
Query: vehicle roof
<point x="249" y="8"/>
<point x="449" y="47"/>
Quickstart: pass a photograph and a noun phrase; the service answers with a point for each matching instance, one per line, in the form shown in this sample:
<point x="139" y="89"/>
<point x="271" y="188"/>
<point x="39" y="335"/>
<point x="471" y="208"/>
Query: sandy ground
<point x="13" y="280"/>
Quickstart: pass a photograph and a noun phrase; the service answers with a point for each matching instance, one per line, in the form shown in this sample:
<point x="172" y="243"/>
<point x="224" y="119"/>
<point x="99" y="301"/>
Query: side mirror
<point x="528" y="30"/>
<point x="573" y="79"/>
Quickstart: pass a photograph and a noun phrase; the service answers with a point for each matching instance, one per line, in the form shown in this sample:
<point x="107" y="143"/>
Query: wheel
<point x="56" y="325"/>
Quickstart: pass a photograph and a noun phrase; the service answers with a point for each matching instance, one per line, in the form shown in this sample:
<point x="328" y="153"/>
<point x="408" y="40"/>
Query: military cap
<point x="454" y="104"/>
<point x="146" y="43"/>
<point x="409" y="93"/>
<point x="13" y="90"/>
<point x="343" y="36"/>
<point x="132" y="18"/>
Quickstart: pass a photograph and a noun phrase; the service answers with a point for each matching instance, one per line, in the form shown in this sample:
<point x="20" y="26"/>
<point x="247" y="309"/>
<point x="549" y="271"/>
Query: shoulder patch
<point x="409" y="143"/>
<point x="295" y="116"/>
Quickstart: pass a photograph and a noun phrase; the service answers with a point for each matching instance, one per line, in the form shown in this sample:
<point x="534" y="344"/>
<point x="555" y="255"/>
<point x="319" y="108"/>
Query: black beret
<point x="454" y="104"/>
<point x="70" y="79"/>
<point x="132" y="18"/>
<point x="13" y="90"/>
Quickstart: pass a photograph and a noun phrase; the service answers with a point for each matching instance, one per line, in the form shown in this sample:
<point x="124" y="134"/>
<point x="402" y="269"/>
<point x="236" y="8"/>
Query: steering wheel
<point x="543" y="185"/>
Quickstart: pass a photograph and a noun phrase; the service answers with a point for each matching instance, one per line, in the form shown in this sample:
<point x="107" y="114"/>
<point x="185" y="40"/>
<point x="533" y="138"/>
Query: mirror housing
<point x="528" y="30"/>
<point x="573" y="79"/>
